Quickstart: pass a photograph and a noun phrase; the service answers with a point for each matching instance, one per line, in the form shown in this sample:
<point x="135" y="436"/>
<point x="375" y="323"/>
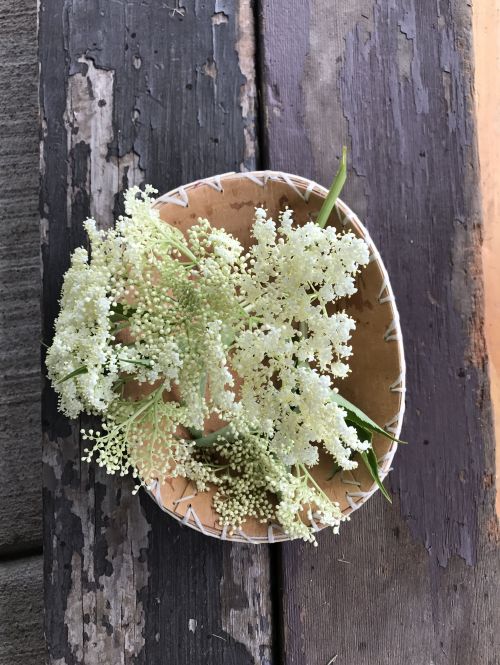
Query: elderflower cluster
<point x="82" y="342"/>
<point x="160" y="331"/>
<point x="298" y="342"/>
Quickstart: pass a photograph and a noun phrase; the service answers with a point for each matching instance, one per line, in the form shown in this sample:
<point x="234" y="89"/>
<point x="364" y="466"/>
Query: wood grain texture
<point x="21" y="612"/>
<point x="165" y="93"/>
<point x="131" y="93"/>
<point x="20" y="381"/>
<point x="394" y="82"/>
<point x="486" y="15"/>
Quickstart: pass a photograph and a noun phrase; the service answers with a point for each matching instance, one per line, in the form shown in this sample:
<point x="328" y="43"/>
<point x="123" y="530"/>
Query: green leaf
<point x="120" y="325"/>
<point x="335" y="189"/>
<point x="142" y="363"/>
<point x="335" y="469"/>
<point x="369" y="459"/>
<point x="210" y="439"/>
<point x="197" y="433"/>
<point x="371" y="463"/>
<point x="203" y="384"/>
<point x="364" y="435"/>
<point x="71" y="375"/>
<point x="228" y="335"/>
<point x="356" y="417"/>
<point x="118" y="312"/>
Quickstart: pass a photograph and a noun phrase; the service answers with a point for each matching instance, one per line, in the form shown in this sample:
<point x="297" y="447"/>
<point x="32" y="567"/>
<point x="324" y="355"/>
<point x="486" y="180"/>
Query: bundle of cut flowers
<point x="252" y="339"/>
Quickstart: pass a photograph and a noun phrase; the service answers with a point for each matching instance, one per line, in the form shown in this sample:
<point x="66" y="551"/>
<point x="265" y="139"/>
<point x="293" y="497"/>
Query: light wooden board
<point x="486" y="14"/>
<point x="394" y="82"/>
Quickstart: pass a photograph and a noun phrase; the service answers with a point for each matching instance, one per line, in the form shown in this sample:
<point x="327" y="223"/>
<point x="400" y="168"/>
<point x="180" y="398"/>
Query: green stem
<point x="304" y="329"/>
<point x="311" y="479"/>
<point x="335" y="189"/>
<point x="197" y="433"/>
<point x="184" y="250"/>
<point x="151" y="399"/>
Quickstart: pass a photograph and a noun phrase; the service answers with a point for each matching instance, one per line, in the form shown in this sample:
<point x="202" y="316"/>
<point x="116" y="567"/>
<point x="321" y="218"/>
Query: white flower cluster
<point x="254" y="338"/>
<point x="83" y="341"/>
<point x="298" y="341"/>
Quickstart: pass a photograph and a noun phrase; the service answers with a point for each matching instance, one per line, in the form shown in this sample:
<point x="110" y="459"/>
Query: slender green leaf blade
<point x="356" y="417"/>
<point x="370" y="460"/>
<point x="71" y="375"/>
<point x="334" y="192"/>
<point x="211" y="439"/>
<point x="120" y="312"/>
<point x="141" y="363"/>
<point x="120" y="325"/>
<point x="335" y="469"/>
<point x="363" y="434"/>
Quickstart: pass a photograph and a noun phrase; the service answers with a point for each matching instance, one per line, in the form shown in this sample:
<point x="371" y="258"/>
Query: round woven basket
<point x="377" y="381"/>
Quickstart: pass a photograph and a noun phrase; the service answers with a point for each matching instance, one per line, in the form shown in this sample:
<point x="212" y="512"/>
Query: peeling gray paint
<point x="413" y="128"/>
<point x="106" y="571"/>
<point x="89" y="120"/>
<point x="323" y="64"/>
<point x="245" y="48"/>
<point x="219" y="18"/>
<point x="245" y="576"/>
<point x="126" y="100"/>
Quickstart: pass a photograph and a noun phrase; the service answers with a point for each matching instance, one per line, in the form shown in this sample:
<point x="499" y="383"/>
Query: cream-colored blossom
<point x="183" y="316"/>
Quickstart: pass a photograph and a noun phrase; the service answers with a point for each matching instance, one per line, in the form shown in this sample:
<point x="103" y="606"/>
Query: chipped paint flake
<point x="210" y="69"/>
<point x="89" y="122"/>
<point x="246" y="620"/>
<point x="245" y="48"/>
<point x="108" y="593"/>
<point x="104" y="615"/>
<point x="219" y="18"/>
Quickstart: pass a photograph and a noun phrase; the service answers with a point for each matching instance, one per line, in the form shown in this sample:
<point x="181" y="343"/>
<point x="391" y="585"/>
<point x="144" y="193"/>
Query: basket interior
<point x="376" y="382"/>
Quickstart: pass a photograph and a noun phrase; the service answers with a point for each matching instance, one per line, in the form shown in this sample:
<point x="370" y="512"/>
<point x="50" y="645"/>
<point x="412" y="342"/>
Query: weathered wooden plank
<point x="21" y="612"/>
<point x="486" y="40"/>
<point x="394" y="82"/>
<point x="20" y="384"/>
<point x="138" y="92"/>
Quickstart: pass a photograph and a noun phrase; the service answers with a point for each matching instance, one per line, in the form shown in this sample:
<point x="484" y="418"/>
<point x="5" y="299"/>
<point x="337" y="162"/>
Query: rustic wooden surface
<point x="20" y="329"/>
<point x="21" y="612"/>
<point x="21" y="583"/>
<point x="136" y="93"/>
<point x="486" y="32"/>
<point x="394" y="82"/>
<point x="164" y="93"/>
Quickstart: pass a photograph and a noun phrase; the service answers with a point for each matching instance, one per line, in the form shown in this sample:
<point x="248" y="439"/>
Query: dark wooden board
<point x="416" y="582"/>
<point x="21" y="612"/>
<point x="20" y="281"/>
<point x="136" y="92"/>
